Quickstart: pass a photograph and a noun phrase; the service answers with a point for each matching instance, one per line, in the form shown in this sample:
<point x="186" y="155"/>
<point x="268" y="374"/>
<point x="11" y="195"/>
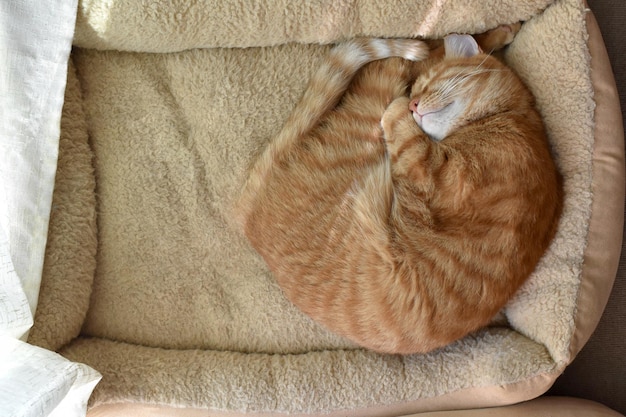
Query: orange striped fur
<point x="405" y="201"/>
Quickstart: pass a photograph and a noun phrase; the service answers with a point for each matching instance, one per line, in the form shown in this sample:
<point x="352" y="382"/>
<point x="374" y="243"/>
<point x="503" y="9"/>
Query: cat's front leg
<point x="400" y="130"/>
<point x="409" y="149"/>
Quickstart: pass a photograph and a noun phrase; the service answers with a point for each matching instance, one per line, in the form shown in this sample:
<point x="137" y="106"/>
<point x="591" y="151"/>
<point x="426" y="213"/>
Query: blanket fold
<point x="315" y="382"/>
<point x="129" y="25"/>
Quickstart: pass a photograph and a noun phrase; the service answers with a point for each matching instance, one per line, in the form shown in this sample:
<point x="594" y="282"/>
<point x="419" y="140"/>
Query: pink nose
<point x="413" y="105"/>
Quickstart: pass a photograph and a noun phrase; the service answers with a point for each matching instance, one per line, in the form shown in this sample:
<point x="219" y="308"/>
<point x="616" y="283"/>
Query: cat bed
<point x="147" y="279"/>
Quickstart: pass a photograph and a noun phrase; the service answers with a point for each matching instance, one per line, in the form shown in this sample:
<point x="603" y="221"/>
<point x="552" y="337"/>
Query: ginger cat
<point x="405" y="201"/>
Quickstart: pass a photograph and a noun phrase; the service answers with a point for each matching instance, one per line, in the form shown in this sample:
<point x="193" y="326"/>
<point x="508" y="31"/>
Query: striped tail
<point x="325" y="89"/>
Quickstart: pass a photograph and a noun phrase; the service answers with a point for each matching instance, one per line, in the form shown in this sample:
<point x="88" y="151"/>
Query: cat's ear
<point x="460" y="46"/>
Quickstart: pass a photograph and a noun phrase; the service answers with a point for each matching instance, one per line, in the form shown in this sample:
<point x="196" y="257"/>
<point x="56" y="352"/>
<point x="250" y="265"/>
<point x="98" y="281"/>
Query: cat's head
<point x="465" y="86"/>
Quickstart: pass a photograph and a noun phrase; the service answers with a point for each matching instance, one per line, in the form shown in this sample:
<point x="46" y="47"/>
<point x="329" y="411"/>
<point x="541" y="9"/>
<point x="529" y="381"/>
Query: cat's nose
<point x="413" y="105"/>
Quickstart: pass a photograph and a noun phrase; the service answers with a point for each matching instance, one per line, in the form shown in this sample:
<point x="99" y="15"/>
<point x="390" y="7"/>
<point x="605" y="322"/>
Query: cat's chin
<point x="434" y="133"/>
<point x="438" y="124"/>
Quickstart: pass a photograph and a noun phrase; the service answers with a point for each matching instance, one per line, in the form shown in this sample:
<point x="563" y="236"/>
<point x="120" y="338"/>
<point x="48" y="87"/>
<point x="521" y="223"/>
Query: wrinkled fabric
<point x="35" y="41"/>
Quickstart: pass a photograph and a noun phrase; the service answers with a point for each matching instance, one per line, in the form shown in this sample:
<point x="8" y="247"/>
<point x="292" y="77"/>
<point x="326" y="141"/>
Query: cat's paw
<point x="398" y="124"/>
<point x="395" y="112"/>
<point x="498" y="38"/>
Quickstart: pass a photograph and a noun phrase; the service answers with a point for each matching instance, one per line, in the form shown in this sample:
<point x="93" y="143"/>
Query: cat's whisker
<point x="451" y="86"/>
<point x="483" y="61"/>
<point x="451" y="90"/>
<point x="452" y="83"/>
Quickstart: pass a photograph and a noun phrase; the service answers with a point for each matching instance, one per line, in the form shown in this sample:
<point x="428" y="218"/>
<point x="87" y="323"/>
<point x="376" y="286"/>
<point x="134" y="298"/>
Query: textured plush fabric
<point x="130" y="25"/>
<point x="70" y="260"/>
<point x="184" y="313"/>
<point x="599" y="371"/>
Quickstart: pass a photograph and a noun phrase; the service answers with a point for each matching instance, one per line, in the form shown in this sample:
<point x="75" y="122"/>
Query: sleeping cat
<point x="403" y="203"/>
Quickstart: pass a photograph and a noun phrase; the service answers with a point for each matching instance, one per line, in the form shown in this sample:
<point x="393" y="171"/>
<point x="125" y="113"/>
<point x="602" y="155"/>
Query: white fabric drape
<point x="35" y="41"/>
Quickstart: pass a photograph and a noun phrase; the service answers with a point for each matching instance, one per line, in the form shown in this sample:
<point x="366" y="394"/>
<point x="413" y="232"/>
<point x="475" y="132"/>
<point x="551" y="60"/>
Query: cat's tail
<point x="325" y="89"/>
<point x="330" y="81"/>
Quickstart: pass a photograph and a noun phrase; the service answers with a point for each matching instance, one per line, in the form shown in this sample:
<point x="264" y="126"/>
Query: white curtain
<point x="35" y="42"/>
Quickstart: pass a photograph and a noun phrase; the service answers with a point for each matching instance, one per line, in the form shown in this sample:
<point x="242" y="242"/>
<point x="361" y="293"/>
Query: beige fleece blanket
<point x="177" y="98"/>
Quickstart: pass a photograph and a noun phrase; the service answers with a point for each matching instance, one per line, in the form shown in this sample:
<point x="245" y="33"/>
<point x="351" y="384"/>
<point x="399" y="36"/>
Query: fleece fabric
<point x="178" y="98"/>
